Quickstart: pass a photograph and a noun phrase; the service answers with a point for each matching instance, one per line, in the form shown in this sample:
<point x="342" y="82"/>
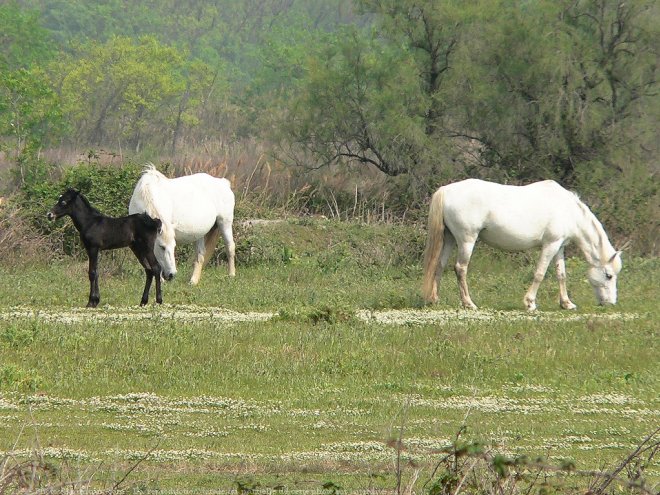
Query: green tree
<point x="360" y="101"/>
<point x="510" y="90"/>
<point x="29" y="108"/>
<point x="24" y="42"/>
<point x="122" y="89"/>
<point x="543" y="88"/>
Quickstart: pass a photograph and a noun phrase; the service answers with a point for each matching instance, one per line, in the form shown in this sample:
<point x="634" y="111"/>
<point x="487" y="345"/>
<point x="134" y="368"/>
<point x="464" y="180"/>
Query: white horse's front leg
<point x="547" y="253"/>
<point x="200" y="248"/>
<point x="560" y="268"/>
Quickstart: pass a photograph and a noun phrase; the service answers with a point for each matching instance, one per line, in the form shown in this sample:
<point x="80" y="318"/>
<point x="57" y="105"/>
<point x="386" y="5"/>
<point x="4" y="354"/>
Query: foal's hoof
<point x="92" y="304"/>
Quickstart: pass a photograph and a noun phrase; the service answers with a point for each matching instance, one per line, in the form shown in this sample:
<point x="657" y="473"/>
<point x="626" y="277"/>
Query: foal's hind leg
<point x="560" y="268"/>
<point x="461" y="268"/>
<point x="204" y="248"/>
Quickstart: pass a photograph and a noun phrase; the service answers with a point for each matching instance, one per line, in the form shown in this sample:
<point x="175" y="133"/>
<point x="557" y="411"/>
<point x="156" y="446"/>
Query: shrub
<point x="108" y="188"/>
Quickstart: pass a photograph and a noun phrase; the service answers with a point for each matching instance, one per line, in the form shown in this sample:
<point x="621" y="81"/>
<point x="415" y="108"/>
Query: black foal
<point x="99" y="232"/>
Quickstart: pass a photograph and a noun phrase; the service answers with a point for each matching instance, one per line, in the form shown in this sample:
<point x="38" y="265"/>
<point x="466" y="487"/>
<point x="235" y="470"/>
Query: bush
<point x="107" y="187"/>
<point x="626" y="203"/>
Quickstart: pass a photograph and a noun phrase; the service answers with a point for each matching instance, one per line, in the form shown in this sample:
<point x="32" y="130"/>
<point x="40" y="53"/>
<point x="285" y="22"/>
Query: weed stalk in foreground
<point x="471" y="468"/>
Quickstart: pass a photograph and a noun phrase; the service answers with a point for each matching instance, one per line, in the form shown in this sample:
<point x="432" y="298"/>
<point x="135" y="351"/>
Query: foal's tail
<point x="434" y="242"/>
<point x="151" y="223"/>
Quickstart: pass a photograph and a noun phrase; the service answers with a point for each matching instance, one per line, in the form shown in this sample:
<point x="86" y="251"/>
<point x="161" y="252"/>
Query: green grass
<point x="315" y="394"/>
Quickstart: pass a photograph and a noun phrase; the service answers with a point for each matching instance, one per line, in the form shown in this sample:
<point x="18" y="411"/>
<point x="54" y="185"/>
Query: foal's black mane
<point x="87" y="203"/>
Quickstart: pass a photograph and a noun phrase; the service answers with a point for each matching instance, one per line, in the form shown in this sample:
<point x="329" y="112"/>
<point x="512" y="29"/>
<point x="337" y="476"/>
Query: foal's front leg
<point x="155" y="271"/>
<point x="94" y="293"/>
<point x="151" y="269"/>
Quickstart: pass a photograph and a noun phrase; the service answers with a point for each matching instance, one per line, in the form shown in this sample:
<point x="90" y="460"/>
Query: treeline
<point x="424" y="91"/>
<point x="135" y="74"/>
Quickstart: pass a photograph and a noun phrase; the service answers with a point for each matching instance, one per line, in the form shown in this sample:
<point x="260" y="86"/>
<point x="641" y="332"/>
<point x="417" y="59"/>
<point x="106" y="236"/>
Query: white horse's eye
<point x="608" y="276"/>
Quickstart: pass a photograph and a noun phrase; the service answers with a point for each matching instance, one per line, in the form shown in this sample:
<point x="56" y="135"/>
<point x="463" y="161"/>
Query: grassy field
<point x="301" y="371"/>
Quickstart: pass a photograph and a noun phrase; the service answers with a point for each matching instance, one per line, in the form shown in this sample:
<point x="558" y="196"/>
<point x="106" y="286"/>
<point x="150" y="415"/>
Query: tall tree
<point x="361" y="101"/>
<point x="544" y="87"/>
<point x="29" y="108"/>
<point x="117" y="90"/>
<point x="515" y="90"/>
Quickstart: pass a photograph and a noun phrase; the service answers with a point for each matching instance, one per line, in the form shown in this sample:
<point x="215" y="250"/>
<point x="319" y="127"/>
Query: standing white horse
<point x="517" y="218"/>
<point x="193" y="208"/>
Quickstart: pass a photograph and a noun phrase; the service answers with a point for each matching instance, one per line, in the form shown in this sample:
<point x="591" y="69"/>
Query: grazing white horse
<point x="516" y="218"/>
<point x="193" y="208"/>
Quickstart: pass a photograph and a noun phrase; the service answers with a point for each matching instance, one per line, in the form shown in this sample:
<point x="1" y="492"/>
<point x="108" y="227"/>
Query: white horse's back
<point x="514" y="218"/>
<point x="198" y="201"/>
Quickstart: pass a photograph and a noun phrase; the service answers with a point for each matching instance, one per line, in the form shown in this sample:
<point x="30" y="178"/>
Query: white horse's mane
<point x="150" y="176"/>
<point x="150" y="168"/>
<point x="603" y="241"/>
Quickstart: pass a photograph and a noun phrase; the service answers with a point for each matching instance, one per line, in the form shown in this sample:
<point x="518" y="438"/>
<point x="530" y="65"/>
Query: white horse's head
<point x="603" y="279"/>
<point x="164" y="251"/>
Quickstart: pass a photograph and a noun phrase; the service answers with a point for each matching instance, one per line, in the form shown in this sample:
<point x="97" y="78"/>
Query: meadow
<point x="319" y="369"/>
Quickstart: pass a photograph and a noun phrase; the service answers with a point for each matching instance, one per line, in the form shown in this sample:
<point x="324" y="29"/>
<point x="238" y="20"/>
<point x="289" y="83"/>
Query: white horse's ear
<point x="618" y="253"/>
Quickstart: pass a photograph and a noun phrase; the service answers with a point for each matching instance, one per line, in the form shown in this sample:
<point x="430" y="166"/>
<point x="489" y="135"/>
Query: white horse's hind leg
<point x="447" y="247"/>
<point x="228" y="236"/>
<point x="560" y="268"/>
<point x="461" y="268"/>
<point x="547" y="253"/>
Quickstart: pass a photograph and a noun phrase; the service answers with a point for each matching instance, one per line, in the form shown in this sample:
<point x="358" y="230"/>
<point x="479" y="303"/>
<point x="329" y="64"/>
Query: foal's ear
<point x="159" y="225"/>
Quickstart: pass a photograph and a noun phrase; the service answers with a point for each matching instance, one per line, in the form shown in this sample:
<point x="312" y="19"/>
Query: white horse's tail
<point x="434" y="242"/>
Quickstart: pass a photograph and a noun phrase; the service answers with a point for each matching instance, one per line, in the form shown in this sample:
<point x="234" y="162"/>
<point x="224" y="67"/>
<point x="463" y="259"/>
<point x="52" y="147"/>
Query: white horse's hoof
<point x="568" y="305"/>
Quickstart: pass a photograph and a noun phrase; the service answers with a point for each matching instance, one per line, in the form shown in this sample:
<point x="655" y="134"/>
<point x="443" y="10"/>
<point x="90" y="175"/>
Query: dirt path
<point x="191" y="313"/>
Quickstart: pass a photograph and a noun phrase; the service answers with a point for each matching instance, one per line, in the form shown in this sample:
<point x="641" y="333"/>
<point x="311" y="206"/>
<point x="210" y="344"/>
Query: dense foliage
<point x="429" y="90"/>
